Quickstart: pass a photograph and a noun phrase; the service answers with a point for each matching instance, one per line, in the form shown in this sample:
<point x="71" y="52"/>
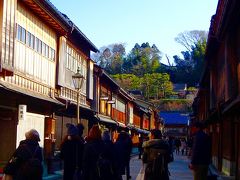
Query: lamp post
<point x="78" y="82"/>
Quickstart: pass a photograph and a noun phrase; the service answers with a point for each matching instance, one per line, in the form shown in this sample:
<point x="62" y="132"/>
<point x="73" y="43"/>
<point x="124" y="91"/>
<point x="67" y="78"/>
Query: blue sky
<point x="158" y="22"/>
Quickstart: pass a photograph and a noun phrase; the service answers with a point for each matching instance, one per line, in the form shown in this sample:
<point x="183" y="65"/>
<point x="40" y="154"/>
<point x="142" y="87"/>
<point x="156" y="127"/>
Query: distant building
<point x="175" y="123"/>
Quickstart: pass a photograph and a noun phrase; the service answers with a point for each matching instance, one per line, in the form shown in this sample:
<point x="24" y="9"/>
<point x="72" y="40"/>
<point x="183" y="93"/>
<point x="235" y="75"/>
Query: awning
<point x="121" y="125"/>
<point x="106" y="119"/>
<point x="143" y="131"/>
<point x="16" y="89"/>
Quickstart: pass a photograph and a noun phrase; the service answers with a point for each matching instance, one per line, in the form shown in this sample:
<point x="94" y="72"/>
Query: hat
<point x="72" y="130"/>
<point x="32" y="135"/>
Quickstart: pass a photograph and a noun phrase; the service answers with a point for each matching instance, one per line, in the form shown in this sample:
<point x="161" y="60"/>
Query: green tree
<point x="188" y="69"/>
<point x="142" y="59"/>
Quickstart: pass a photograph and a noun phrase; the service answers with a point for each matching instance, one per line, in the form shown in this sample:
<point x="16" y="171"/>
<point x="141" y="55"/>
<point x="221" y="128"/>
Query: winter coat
<point x="151" y="150"/>
<point x="92" y="150"/>
<point x="201" y="150"/>
<point x="71" y="153"/>
<point x="122" y="149"/>
<point x="26" y="150"/>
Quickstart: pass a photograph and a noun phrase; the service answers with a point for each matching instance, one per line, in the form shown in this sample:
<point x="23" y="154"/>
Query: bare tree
<point x="191" y="38"/>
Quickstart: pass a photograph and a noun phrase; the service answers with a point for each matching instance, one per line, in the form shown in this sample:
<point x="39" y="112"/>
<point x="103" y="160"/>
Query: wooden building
<point x="41" y="49"/>
<point x="175" y="124"/>
<point x="217" y="102"/>
<point x="29" y="41"/>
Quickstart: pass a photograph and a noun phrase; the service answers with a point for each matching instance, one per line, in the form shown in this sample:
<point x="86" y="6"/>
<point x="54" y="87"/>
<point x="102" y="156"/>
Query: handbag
<point x="7" y="177"/>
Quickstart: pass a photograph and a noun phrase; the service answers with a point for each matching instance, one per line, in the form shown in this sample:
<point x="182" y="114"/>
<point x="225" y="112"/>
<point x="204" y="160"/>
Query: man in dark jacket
<point x="201" y="153"/>
<point x="71" y="152"/>
<point x="157" y="156"/>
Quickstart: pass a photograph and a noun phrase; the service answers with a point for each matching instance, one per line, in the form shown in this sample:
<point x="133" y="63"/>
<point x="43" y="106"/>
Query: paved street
<point x="178" y="169"/>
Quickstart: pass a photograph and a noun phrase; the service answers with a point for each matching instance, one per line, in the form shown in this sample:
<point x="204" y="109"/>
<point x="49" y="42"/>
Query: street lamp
<point x="78" y="82"/>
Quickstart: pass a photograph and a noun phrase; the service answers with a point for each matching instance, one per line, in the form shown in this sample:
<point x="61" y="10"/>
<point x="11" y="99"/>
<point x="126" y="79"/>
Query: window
<point x="29" y="39"/>
<point x="47" y="51"/>
<point x="19" y="31"/>
<point x="53" y="55"/>
<point x="23" y="35"/>
<point x="40" y="46"/>
<point x="43" y="49"/>
<point x="36" y="44"/>
<point x="32" y="41"/>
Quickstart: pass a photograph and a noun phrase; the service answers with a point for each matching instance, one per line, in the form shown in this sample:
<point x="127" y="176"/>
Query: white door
<point x="32" y="121"/>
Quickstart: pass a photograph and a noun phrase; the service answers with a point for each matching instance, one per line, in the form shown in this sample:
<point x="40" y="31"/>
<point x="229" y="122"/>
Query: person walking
<point x="201" y="153"/>
<point x="128" y="147"/>
<point x="156" y="155"/>
<point x="107" y="155"/>
<point x="92" y="150"/>
<point x="71" y="151"/>
<point x="26" y="161"/>
<point x="177" y="145"/>
<point x="122" y="149"/>
<point x="183" y="146"/>
<point x="140" y="149"/>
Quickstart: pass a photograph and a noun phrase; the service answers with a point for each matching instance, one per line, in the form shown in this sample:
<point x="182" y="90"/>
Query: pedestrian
<point x="140" y="149"/>
<point x="156" y="155"/>
<point x="201" y="153"/>
<point x="107" y="155"/>
<point x="177" y="145"/>
<point x="171" y="146"/>
<point x="92" y="150"/>
<point x="71" y="151"/>
<point x="183" y="146"/>
<point x="189" y="146"/>
<point x="122" y="149"/>
<point x="26" y="161"/>
<point x="128" y="146"/>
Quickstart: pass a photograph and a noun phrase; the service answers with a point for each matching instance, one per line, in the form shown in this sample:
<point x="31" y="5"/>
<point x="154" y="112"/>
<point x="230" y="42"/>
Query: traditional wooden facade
<point x="217" y="101"/>
<point x="29" y="34"/>
<point x="74" y="53"/>
<point x="41" y="49"/>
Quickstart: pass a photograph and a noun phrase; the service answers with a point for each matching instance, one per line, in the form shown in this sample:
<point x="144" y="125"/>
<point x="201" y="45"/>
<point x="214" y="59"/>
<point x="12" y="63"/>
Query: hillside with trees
<point x="141" y="68"/>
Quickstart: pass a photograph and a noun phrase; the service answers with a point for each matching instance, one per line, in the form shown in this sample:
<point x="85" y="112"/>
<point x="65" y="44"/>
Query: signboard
<point x="22" y="110"/>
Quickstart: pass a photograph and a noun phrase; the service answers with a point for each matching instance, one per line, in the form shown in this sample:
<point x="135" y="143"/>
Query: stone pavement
<point x="178" y="168"/>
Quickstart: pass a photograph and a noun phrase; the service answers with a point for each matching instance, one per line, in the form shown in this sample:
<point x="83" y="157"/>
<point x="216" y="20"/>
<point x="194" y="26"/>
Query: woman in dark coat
<point x="122" y="149"/>
<point x="108" y="155"/>
<point x="20" y="166"/>
<point x="71" y="152"/>
<point x="92" y="150"/>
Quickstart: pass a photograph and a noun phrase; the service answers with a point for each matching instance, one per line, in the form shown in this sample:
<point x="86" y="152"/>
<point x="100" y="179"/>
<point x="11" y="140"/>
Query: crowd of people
<point x="97" y="157"/>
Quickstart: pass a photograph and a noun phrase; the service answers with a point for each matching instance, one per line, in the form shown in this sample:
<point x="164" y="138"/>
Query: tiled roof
<point x="177" y="118"/>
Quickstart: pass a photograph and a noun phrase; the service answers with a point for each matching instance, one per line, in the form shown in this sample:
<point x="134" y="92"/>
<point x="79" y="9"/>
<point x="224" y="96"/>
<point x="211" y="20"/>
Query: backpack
<point x="104" y="167"/>
<point x="31" y="169"/>
<point x="157" y="167"/>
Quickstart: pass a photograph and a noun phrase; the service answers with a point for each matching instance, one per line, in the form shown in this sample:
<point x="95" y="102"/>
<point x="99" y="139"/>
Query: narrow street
<point x="178" y="168"/>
